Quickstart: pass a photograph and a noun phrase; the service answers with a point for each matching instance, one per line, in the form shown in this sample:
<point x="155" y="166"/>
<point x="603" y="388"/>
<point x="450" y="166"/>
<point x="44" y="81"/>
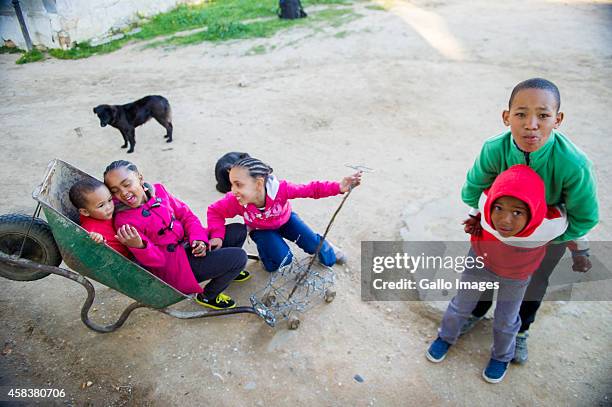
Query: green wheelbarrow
<point x="31" y="249"/>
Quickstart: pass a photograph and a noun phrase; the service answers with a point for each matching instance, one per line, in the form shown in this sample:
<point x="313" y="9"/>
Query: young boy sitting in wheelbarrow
<point x="95" y="204"/>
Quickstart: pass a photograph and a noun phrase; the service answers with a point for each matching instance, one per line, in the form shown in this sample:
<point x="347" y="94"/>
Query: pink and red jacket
<point x="164" y="254"/>
<point x="518" y="257"/>
<point x="277" y="210"/>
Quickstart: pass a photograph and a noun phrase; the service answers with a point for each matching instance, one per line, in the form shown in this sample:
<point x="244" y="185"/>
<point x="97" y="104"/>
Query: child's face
<point x="245" y="188"/>
<point x="126" y="186"/>
<point x="509" y="215"/>
<point x="99" y="204"/>
<point x="532" y="117"/>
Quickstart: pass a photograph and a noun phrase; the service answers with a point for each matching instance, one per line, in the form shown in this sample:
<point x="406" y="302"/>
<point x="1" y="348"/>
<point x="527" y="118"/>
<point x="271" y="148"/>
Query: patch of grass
<point x="85" y="49"/>
<point x="10" y="50"/>
<point x="219" y="20"/>
<point x="31" y="56"/>
<point x="341" y="34"/>
<point x="306" y="3"/>
<point x="257" y="50"/>
<point x="223" y="31"/>
<point x="377" y="7"/>
<point x="221" y="12"/>
<point x="337" y="16"/>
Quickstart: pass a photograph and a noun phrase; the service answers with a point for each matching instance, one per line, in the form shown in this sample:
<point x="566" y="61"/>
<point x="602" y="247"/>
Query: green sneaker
<point x="243" y="276"/>
<point x="222" y="301"/>
<point x="520" y="349"/>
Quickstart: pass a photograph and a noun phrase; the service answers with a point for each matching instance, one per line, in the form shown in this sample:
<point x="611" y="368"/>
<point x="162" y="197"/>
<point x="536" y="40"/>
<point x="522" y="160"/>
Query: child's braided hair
<point x="131" y="167"/>
<point x="256" y="167"/>
<point x="120" y="164"/>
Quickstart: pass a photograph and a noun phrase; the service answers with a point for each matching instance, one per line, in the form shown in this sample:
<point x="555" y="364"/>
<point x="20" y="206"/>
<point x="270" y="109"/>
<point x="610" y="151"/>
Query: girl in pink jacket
<point x="263" y="201"/>
<point x="167" y="238"/>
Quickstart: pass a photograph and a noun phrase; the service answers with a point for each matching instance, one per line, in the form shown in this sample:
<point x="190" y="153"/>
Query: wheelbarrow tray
<point x="96" y="261"/>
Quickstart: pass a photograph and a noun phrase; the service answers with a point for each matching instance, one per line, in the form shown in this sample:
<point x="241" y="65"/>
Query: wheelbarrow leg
<point x="27" y="265"/>
<point x="34" y="216"/>
<point x="91" y="293"/>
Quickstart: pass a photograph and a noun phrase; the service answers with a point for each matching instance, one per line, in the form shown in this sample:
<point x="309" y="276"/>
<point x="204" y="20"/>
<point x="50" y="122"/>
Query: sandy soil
<point x="411" y="92"/>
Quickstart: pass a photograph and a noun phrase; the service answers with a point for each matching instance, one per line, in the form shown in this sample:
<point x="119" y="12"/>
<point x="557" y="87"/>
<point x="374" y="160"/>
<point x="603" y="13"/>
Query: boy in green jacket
<point x="533" y="116"/>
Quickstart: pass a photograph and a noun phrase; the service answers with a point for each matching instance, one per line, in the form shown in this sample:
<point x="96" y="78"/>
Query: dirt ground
<point x="411" y="92"/>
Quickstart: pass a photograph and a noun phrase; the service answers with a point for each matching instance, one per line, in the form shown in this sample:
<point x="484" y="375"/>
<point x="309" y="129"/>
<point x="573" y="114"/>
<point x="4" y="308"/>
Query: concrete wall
<point x="53" y="23"/>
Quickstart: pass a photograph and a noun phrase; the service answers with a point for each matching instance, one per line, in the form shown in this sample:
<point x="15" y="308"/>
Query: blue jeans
<point x="535" y="290"/>
<point x="274" y="251"/>
<point x="506" y="322"/>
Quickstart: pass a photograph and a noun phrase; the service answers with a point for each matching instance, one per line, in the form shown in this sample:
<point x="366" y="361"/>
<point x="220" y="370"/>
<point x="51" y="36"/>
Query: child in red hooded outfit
<point x="516" y="226"/>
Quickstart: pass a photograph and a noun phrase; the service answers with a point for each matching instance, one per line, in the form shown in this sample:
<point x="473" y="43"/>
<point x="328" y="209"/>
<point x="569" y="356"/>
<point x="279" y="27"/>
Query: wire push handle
<point x="359" y="168"/>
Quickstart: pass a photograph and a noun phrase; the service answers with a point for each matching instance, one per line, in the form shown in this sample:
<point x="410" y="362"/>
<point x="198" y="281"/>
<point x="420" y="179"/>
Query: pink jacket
<point x="277" y="210"/>
<point x="171" y="266"/>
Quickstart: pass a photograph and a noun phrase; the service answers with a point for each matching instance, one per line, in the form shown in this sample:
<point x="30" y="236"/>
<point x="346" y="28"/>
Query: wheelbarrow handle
<point x="206" y="313"/>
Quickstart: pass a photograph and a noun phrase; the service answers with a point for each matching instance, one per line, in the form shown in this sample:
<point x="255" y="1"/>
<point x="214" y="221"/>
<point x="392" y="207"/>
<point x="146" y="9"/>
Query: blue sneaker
<point x="437" y="350"/>
<point x="495" y="371"/>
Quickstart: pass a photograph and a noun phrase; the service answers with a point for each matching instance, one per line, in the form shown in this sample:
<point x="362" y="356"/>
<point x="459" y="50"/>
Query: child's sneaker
<point x="222" y="301"/>
<point x="520" y="349"/>
<point x="438" y="350"/>
<point x="243" y="276"/>
<point x="495" y="371"/>
<point x="469" y="324"/>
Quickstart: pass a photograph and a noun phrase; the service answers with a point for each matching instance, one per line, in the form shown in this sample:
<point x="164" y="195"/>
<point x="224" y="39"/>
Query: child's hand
<point x="96" y="237"/>
<point x="128" y="236"/>
<point x="198" y="248"/>
<point x="582" y="264"/>
<point x="350" y="182"/>
<point x="472" y="226"/>
<point x="215" y="243"/>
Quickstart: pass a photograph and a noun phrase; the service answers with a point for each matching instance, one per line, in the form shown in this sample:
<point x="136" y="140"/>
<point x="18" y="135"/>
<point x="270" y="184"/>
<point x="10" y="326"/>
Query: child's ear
<point x="559" y="119"/>
<point x="505" y="117"/>
<point x="84" y="212"/>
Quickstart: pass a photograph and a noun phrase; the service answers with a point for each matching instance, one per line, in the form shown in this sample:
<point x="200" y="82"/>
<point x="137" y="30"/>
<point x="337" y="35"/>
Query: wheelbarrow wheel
<point x="293" y="322"/>
<point x="39" y="245"/>
<point x="269" y="300"/>
<point x="329" y="296"/>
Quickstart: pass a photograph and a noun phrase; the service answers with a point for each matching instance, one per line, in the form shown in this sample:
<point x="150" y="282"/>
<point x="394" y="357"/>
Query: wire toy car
<point x="300" y="284"/>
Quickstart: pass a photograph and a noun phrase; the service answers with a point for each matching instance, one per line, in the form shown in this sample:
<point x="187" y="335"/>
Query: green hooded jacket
<point x="566" y="170"/>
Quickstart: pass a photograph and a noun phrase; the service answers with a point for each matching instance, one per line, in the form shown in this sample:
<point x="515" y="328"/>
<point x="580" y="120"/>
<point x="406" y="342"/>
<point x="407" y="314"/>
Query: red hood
<point x="521" y="182"/>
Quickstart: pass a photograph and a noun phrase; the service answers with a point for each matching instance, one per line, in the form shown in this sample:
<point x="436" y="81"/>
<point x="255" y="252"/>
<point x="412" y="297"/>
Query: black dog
<point x="222" y="170"/>
<point x="129" y="116"/>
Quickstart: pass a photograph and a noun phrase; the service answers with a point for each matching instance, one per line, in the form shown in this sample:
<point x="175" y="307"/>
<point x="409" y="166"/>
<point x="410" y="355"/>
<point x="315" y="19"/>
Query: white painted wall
<point x="80" y="20"/>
